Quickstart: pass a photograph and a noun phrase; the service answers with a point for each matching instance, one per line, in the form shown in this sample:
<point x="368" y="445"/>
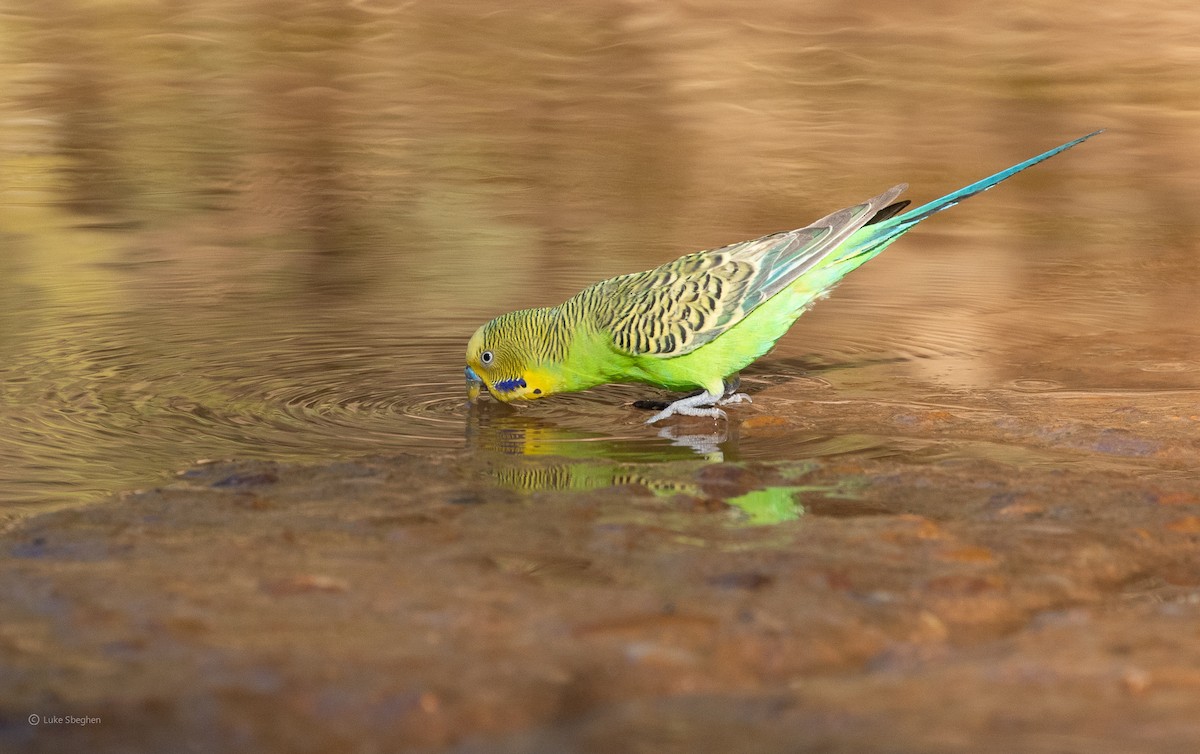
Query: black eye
<point x="486" y="357"/>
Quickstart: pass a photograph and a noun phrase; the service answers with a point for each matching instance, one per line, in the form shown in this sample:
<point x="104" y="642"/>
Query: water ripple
<point x="107" y="416"/>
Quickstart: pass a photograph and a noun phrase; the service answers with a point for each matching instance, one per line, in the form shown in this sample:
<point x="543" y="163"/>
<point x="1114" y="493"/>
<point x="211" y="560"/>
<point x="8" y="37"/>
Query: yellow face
<point x="501" y="369"/>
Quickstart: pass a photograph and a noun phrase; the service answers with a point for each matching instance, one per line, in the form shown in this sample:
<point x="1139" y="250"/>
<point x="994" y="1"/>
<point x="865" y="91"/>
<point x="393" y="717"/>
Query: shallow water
<point x="267" y="230"/>
<point x="961" y="513"/>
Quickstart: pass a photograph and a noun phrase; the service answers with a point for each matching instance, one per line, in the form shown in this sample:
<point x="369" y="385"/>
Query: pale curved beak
<point x="474" y="385"/>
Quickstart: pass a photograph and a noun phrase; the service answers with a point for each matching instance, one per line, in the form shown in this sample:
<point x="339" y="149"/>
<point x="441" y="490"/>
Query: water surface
<point x="266" y="230"/>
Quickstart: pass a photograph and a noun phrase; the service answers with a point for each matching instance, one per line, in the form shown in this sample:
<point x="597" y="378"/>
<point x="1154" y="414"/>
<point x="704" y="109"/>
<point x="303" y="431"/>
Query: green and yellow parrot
<point x="697" y="321"/>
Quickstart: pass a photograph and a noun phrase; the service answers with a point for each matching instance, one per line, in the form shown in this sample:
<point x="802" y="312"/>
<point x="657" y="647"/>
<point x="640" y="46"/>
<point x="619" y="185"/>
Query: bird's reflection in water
<point x="706" y="445"/>
<point x="497" y="428"/>
<point x="535" y="454"/>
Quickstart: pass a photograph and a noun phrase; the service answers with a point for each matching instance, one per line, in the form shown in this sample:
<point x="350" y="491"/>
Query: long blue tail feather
<point x="949" y="200"/>
<point x="872" y="238"/>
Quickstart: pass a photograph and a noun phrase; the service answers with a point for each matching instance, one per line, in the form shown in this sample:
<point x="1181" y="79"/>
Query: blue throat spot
<point x="506" y="386"/>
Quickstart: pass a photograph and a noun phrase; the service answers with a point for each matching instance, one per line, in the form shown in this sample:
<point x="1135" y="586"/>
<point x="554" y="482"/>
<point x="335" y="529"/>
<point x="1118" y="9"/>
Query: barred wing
<point x="678" y="307"/>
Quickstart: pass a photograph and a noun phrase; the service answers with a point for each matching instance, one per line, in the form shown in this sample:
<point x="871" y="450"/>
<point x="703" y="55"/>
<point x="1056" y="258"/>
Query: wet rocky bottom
<point x="1046" y="599"/>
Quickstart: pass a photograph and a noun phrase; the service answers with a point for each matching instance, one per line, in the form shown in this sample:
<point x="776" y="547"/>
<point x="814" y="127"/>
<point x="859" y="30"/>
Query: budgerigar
<point x="697" y="321"/>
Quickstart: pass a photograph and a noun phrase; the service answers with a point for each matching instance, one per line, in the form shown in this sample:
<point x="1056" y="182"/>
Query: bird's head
<point x="503" y="357"/>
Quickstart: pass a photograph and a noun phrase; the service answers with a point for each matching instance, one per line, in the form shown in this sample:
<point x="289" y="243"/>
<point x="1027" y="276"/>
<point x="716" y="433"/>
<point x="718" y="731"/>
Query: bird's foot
<point x="701" y="404"/>
<point x="669" y="411"/>
<point x="704" y="403"/>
